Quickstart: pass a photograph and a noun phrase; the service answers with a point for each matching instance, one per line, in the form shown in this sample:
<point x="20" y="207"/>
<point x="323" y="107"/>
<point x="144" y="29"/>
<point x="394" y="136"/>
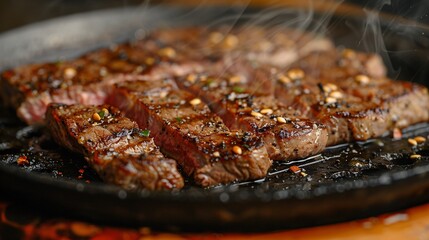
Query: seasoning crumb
<point x="412" y="142"/>
<point x="336" y="94"/>
<point x="420" y="139"/>
<point x="216" y="37"/>
<point x="295" y="169"/>
<point x="22" y="161"/>
<point x="256" y="114"/>
<point x="330" y="100"/>
<point x="235" y="79"/>
<point x="195" y="101"/>
<point x="231" y="41"/>
<point x="362" y="79"/>
<point x="416" y="156"/>
<point x="267" y="111"/>
<point x="149" y="61"/>
<point x="237" y="150"/>
<point x="303" y="174"/>
<point x="191" y="78"/>
<point x="69" y="73"/>
<point x="349" y="53"/>
<point x="284" y="79"/>
<point x="167" y="52"/>
<point x="96" y="117"/>
<point x="281" y="120"/>
<point x="81" y="140"/>
<point x="296" y="74"/>
<point x="216" y="154"/>
<point x="163" y="94"/>
<point x="329" y="87"/>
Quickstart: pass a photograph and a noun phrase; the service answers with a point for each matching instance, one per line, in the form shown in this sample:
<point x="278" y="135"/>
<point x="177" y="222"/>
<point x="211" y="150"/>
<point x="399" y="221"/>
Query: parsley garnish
<point x="238" y="89"/>
<point x="179" y="119"/>
<point x="144" y="133"/>
<point x="101" y="114"/>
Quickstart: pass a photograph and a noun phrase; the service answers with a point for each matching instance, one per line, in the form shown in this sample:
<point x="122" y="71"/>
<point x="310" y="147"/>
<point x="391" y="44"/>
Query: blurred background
<point x="15" y="13"/>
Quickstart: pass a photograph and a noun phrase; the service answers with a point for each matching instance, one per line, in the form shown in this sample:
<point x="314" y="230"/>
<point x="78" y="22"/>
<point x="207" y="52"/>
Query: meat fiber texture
<point x="114" y="146"/>
<point x="288" y="92"/>
<point x="187" y="131"/>
<point x="169" y="52"/>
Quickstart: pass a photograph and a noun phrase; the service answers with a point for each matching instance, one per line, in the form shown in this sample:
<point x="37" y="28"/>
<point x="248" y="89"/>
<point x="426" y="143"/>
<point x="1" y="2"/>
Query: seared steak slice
<point x="347" y="118"/>
<point x="286" y="135"/>
<point x="86" y="80"/>
<point x="113" y="145"/>
<point x="353" y="105"/>
<point x="278" y="46"/>
<point x="187" y="131"/>
<point x="340" y="64"/>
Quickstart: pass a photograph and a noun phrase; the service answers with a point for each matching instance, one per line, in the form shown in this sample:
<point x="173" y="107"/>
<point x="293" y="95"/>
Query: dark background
<point x="15" y="13"/>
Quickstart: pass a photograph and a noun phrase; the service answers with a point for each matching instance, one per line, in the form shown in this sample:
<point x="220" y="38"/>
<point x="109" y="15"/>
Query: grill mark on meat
<point x="365" y="109"/>
<point x="275" y="46"/>
<point x="86" y="80"/>
<point x="113" y="146"/>
<point x="368" y="108"/>
<point x="203" y="146"/>
<point x="295" y="138"/>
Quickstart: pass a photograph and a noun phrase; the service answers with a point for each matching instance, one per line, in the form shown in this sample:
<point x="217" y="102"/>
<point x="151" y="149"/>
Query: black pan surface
<point x="344" y="182"/>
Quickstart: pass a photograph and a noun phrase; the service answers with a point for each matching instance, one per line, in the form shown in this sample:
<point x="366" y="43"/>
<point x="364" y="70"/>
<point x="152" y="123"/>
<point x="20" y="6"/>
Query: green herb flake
<point x="144" y="133"/>
<point x="101" y="114"/>
<point x="179" y="119"/>
<point x="238" y="89"/>
<point x="209" y="81"/>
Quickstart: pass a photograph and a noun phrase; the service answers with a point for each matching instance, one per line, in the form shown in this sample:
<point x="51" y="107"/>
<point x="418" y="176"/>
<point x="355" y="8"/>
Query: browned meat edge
<point x="285" y="135"/>
<point x="113" y="145"/>
<point x="87" y="79"/>
<point x="187" y="131"/>
<point x="347" y="91"/>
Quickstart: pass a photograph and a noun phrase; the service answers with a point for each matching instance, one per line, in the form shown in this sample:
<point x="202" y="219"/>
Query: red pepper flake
<point x="81" y="171"/>
<point x="295" y="169"/>
<point x="79" y="177"/>
<point x="87" y="181"/>
<point x="397" y="134"/>
<point x="22" y="160"/>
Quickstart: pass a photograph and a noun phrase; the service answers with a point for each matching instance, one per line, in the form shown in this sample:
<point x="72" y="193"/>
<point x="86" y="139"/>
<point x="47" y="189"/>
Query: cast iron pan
<point x="345" y="182"/>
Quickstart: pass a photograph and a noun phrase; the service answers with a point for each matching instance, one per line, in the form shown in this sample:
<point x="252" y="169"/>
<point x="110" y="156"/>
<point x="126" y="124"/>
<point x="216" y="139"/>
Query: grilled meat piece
<point x="86" y="80"/>
<point x="350" y="96"/>
<point x="113" y="145"/>
<point x="286" y="135"/>
<point x="275" y="45"/>
<point x="187" y="131"/>
<point x="339" y="64"/>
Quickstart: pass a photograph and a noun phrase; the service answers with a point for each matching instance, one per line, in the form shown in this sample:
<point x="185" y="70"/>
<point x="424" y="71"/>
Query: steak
<point x="187" y="131"/>
<point x="286" y="135"/>
<point x="349" y="93"/>
<point x="113" y="145"/>
<point x="86" y="80"/>
<point x="275" y="45"/>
